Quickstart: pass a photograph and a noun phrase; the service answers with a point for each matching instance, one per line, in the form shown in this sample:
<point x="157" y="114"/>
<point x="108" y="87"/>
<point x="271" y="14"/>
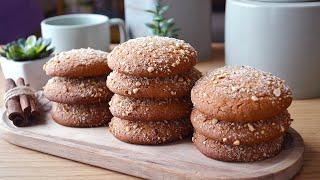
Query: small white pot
<point x="31" y="71"/>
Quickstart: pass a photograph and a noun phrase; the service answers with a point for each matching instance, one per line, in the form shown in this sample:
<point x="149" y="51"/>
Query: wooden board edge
<point x="91" y="157"/>
<point x="68" y="150"/>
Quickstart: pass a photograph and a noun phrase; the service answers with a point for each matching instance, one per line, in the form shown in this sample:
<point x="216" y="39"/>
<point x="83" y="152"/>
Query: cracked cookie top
<point x="78" y="63"/>
<point x="153" y="56"/>
<point x="241" y="93"/>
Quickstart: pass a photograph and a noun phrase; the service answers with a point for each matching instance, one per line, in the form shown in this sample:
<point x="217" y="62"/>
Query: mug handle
<point x="122" y="28"/>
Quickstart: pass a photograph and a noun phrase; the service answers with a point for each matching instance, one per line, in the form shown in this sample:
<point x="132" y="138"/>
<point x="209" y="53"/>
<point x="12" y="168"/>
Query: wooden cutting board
<point x="180" y="160"/>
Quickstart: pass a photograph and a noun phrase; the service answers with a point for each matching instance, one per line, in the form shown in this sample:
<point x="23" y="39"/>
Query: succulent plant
<point x="27" y="49"/>
<point x="160" y="25"/>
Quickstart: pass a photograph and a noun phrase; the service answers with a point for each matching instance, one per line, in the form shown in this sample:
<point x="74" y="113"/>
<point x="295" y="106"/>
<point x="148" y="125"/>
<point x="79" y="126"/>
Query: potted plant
<point x="159" y="25"/>
<point x="25" y="58"/>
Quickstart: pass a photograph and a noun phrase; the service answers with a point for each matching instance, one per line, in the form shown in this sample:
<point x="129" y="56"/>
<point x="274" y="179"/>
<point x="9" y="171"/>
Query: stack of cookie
<point x="240" y="114"/>
<point x="77" y="89"/>
<point x="152" y="80"/>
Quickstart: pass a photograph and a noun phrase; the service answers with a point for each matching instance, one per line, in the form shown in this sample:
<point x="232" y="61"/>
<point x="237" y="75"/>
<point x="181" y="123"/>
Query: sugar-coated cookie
<point x="236" y="153"/>
<point x="153" y="56"/>
<point x="78" y="63"/>
<point x="150" y="109"/>
<point x="81" y="115"/>
<point x="241" y="94"/>
<point x="241" y="133"/>
<point x="77" y="91"/>
<point x="160" y="88"/>
<point x="149" y="132"/>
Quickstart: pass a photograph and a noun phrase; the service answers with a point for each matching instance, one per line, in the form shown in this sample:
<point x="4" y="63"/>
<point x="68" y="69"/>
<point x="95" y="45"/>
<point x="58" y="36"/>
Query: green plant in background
<point x="161" y="26"/>
<point x="27" y="49"/>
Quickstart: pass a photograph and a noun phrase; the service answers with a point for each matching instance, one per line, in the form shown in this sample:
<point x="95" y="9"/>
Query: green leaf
<point x="8" y="55"/>
<point x="158" y="6"/>
<point x="40" y="48"/>
<point x="44" y="44"/>
<point x="158" y="18"/>
<point x="156" y="31"/>
<point x="160" y="25"/>
<point x="164" y="30"/>
<point x="170" y="21"/>
<point x="15" y="52"/>
<point x="46" y="53"/>
<point x="51" y="50"/>
<point x="151" y="25"/>
<point x="27" y="49"/>
<point x="31" y="40"/>
<point x="168" y="24"/>
<point x="6" y="47"/>
<point x="150" y="11"/>
<point x="31" y="53"/>
<point x="21" y="42"/>
<point x="39" y="41"/>
<point x="164" y="9"/>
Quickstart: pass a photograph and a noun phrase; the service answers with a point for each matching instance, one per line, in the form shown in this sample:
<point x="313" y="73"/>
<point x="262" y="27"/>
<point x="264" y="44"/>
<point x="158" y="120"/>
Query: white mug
<point x="81" y="31"/>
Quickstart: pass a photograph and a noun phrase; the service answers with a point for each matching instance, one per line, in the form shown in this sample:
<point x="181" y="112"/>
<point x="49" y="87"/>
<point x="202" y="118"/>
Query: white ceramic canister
<point x="193" y="17"/>
<point x="279" y="36"/>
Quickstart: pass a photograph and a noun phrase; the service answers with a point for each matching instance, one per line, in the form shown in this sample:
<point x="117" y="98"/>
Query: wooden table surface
<point x="21" y="163"/>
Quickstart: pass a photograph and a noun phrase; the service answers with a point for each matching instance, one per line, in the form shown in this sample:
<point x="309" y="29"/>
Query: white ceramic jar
<point x="279" y="36"/>
<point x="193" y="17"/>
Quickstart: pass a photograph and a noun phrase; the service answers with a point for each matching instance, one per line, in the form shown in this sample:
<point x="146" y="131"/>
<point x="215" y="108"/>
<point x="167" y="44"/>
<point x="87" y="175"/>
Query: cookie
<point x="160" y="88"/>
<point x="236" y="153"/>
<point x="77" y="91"/>
<point x="78" y="63"/>
<point x="150" y="109"/>
<point x="239" y="132"/>
<point x="81" y="115"/>
<point x="149" y="132"/>
<point x="241" y="94"/>
<point x="153" y="56"/>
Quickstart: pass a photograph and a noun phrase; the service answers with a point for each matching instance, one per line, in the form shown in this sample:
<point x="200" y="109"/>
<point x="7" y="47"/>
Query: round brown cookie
<point x="232" y="153"/>
<point x="81" y="115"/>
<point x="77" y="91"/>
<point x="78" y="63"/>
<point x="150" y="109"/>
<point x="153" y="56"/>
<point x="160" y="88"/>
<point x="241" y="94"/>
<point x="239" y="132"/>
<point x="149" y="132"/>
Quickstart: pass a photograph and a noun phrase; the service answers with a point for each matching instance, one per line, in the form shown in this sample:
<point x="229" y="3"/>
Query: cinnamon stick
<point x="24" y="100"/>
<point x="34" y="105"/>
<point x="14" y="110"/>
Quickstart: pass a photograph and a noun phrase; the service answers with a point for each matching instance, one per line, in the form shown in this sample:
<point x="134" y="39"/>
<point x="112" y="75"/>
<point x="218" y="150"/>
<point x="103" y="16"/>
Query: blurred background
<point x="20" y="18"/>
